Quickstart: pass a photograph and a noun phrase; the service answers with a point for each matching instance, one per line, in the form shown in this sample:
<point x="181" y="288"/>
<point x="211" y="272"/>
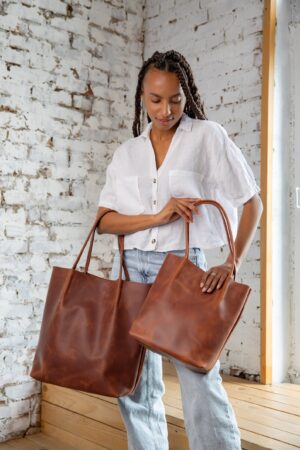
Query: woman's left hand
<point x="215" y="277"/>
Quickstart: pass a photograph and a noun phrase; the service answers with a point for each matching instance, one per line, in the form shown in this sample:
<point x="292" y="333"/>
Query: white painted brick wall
<point x="56" y="141"/>
<point x="222" y="41"/>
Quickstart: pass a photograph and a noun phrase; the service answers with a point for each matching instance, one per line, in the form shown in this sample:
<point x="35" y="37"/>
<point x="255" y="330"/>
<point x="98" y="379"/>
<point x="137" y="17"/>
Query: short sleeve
<point x="232" y="173"/>
<point x="107" y="196"/>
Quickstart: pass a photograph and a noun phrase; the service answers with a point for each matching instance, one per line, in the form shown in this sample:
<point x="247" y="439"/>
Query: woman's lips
<point x="164" y="122"/>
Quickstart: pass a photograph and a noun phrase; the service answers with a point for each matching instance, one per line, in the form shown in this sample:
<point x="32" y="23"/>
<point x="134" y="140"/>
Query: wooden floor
<point x="268" y="418"/>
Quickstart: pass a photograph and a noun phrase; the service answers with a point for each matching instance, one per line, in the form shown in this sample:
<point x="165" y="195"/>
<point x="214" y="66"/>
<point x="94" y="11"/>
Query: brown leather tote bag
<point x="179" y="320"/>
<point x="84" y="340"/>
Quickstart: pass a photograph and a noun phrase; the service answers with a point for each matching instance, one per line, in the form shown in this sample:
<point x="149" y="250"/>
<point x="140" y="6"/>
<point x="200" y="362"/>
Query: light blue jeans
<point x="209" y="418"/>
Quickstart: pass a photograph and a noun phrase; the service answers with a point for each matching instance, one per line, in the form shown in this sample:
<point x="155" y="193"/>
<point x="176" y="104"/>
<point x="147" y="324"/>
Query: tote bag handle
<point x="90" y="237"/>
<point x="227" y="229"/>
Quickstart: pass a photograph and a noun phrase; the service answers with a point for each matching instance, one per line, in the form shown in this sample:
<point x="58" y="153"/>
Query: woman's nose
<point x="166" y="109"/>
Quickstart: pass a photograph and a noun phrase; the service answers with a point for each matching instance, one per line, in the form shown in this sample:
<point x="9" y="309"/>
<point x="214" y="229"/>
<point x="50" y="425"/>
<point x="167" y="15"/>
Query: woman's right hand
<point x="177" y="208"/>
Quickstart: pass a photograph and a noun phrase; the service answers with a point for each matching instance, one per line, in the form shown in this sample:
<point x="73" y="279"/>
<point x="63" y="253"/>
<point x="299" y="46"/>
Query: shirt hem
<point x="106" y="205"/>
<point x="239" y="202"/>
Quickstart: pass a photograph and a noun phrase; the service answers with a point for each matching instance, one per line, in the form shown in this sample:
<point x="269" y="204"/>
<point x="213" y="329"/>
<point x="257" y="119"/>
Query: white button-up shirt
<point x="202" y="161"/>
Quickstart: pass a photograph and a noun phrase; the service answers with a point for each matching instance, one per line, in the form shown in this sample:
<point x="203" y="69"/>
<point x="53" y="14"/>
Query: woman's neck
<point x="163" y="136"/>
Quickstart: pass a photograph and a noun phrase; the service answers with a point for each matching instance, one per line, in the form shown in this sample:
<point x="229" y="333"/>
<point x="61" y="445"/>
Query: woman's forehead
<point x="156" y="81"/>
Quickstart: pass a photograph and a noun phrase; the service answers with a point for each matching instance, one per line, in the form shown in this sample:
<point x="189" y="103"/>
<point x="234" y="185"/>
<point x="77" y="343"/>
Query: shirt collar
<point x="186" y="123"/>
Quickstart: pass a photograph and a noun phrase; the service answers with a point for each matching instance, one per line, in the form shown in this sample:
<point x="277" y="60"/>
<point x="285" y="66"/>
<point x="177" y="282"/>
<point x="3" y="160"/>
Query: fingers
<point x="187" y="207"/>
<point x="184" y="212"/>
<point x="212" y="280"/>
<point x="221" y="281"/>
<point x="193" y="205"/>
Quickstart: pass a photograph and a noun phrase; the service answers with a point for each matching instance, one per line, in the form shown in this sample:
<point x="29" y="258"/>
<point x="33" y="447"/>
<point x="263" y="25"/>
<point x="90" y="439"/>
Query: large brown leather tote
<point x="179" y="320"/>
<point x="84" y="340"/>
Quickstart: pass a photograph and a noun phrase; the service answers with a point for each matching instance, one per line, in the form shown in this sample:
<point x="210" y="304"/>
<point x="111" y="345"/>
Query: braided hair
<point x="170" y="61"/>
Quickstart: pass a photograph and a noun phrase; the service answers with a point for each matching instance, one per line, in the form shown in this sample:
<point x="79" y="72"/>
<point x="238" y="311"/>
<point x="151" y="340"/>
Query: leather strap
<point x="120" y="244"/>
<point x="227" y="229"/>
<point x="90" y="237"/>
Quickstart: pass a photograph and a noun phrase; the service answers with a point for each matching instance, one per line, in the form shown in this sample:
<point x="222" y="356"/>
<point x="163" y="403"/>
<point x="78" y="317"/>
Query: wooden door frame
<point x="267" y="100"/>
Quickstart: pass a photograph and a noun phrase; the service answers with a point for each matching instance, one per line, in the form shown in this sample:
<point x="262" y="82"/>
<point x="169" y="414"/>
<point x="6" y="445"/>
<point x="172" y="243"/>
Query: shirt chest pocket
<point x="185" y="183"/>
<point x="128" y="195"/>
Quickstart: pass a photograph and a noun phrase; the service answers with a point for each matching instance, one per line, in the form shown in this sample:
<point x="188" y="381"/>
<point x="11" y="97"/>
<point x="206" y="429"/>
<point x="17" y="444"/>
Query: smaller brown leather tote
<point x="179" y="320"/>
<point x="84" y="340"/>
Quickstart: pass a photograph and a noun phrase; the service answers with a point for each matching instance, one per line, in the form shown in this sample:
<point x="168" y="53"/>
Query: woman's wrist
<point x="156" y="219"/>
<point x="229" y="262"/>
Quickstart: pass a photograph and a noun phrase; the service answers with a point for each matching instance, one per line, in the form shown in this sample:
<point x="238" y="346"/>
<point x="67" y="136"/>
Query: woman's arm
<point x="116" y="223"/>
<point x="249" y="220"/>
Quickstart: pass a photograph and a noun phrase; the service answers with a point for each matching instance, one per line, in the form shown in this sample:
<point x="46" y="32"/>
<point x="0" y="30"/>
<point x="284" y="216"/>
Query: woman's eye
<point x="177" y="101"/>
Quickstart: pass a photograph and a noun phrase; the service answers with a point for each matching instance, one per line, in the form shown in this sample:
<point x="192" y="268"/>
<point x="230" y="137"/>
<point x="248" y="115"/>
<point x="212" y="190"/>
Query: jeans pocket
<point x="194" y="259"/>
<point x="201" y="260"/>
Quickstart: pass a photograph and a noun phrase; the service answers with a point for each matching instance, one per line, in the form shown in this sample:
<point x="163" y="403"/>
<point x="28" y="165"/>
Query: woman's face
<point x="163" y="98"/>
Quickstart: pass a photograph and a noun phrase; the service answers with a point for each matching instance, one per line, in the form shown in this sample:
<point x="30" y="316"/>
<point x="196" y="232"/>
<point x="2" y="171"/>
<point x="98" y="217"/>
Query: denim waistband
<point x="192" y="251"/>
<point x="148" y="262"/>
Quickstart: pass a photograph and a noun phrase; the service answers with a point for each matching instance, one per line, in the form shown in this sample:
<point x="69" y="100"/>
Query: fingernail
<point x="201" y="285"/>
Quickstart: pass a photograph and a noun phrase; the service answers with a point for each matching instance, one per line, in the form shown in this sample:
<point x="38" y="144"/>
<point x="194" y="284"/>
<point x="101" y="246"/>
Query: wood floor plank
<point x="24" y="443"/>
<point x="270" y="432"/>
<point x="97" y="408"/>
<point x="88" y="406"/>
<point x="37" y="441"/>
<point x="276" y="388"/>
<point x="280" y="397"/>
<point x="270" y="401"/>
<point x="173" y="397"/>
<point x="43" y="441"/>
<point x="5" y="446"/>
<point x="291" y="387"/>
<point x="89" y="429"/>
<point x="175" y="403"/>
<point x="177" y="438"/>
<point x="69" y="438"/>
<point x="264" y="415"/>
<point x="253" y="441"/>
<point x="46" y="386"/>
<point x="268" y="415"/>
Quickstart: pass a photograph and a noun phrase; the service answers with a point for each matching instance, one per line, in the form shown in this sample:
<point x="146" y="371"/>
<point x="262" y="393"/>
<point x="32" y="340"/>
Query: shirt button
<point x="154" y="202"/>
<point x="153" y="241"/>
<point x="154" y="180"/>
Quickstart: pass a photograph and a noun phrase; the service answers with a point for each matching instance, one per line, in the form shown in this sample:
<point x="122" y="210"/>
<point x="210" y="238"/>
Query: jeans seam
<point x="228" y="415"/>
<point x="231" y="425"/>
<point x="150" y="411"/>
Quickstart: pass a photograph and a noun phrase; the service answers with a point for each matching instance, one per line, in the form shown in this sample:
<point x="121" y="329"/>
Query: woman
<point x="152" y="184"/>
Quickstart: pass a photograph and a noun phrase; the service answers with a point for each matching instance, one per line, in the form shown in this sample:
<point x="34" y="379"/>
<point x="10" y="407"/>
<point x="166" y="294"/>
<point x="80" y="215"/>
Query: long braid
<point x="170" y="61"/>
